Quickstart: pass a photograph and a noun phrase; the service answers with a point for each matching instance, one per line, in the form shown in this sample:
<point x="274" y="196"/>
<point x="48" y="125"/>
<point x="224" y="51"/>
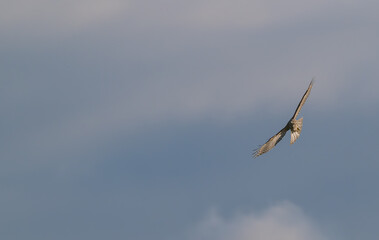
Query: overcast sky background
<point x="137" y="119"/>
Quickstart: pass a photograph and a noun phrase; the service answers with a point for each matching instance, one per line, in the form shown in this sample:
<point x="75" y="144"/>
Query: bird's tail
<point x="297" y="125"/>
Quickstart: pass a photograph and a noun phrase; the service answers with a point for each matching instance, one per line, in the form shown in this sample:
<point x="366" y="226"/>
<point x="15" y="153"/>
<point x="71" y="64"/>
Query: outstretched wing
<point x="271" y="142"/>
<point x="303" y="99"/>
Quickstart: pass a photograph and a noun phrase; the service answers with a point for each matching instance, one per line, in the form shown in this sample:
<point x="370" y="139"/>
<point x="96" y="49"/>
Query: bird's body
<point x="295" y="125"/>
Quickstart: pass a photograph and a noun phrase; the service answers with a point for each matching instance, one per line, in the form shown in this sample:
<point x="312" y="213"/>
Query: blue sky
<point x="137" y="119"/>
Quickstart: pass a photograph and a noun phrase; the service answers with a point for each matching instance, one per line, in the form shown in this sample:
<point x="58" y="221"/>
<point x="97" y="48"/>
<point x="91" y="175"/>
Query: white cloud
<point x="284" y="221"/>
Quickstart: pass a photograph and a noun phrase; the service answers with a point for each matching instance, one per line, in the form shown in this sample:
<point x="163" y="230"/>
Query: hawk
<point x="293" y="124"/>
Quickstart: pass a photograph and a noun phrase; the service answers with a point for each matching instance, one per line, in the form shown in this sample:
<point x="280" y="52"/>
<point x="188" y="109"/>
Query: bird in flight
<point x="293" y="124"/>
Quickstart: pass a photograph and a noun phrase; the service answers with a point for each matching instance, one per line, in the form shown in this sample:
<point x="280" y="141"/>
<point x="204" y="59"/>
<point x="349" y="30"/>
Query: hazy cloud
<point x="284" y="221"/>
<point x="43" y="19"/>
<point x="164" y="61"/>
<point x="117" y="97"/>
